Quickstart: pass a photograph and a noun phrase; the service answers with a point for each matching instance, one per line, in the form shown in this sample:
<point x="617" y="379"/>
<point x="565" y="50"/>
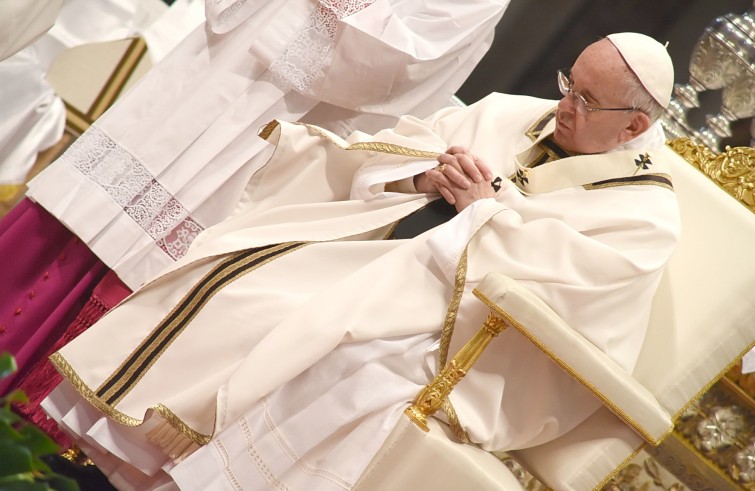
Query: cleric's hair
<point x="639" y="98"/>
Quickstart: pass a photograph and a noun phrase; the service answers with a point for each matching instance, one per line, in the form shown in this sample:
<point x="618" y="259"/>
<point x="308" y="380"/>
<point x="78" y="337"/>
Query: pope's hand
<point x="464" y="180"/>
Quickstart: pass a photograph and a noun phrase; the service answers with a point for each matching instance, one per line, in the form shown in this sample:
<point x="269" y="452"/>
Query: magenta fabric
<point x="46" y="276"/>
<point x="42" y="378"/>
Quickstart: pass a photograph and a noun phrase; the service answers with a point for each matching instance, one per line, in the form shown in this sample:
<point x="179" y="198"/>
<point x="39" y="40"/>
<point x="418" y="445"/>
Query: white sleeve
<point x="405" y="54"/>
<point x="23" y="21"/>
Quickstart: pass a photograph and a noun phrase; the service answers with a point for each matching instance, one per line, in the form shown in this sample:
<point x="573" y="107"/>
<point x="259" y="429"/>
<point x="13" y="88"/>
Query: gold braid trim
<point x="453" y="421"/>
<point x="67" y="371"/>
<point x="391" y="148"/>
<point x="445" y="342"/>
<point x="380" y="147"/>
<point x="453" y="309"/>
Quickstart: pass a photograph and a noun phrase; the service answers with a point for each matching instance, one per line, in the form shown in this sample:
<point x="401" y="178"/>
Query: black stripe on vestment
<point x="656" y="179"/>
<point x="554" y="147"/>
<point x="543" y="122"/>
<point x="133" y="368"/>
<point x="429" y="216"/>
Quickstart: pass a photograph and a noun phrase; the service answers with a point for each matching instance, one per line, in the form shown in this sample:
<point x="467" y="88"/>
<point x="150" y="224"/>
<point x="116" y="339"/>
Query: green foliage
<point x="22" y="445"/>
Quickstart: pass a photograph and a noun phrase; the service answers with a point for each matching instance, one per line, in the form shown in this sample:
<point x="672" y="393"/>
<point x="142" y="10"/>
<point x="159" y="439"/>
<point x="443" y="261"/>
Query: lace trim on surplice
<point x="132" y="186"/>
<point x="303" y="60"/>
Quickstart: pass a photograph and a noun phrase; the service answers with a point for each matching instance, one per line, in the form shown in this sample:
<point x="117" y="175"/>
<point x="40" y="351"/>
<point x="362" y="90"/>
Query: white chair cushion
<point x="613" y="385"/>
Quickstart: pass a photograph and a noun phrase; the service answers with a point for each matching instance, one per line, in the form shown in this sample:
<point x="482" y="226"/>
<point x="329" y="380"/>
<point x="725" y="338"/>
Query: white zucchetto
<point x="649" y="60"/>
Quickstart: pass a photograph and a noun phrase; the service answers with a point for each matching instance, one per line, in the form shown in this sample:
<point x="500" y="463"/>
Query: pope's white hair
<point x="639" y="98"/>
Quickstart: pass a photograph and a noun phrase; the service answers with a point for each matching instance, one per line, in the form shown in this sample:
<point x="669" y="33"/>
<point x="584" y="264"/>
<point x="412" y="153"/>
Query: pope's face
<point x="598" y="75"/>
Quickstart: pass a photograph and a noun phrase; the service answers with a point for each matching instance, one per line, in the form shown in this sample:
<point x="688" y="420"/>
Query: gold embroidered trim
<point x="445" y="341"/>
<point x="453" y="309"/>
<point x="143" y="357"/>
<point x="453" y="421"/>
<point x="618" y="468"/>
<point x="380" y="147"/>
<point x="534" y="131"/>
<point x="646" y="182"/>
<point x="549" y="145"/>
<point x="67" y="371"/>
<point x="393" y="149"/>
<point x="607" y="402"/>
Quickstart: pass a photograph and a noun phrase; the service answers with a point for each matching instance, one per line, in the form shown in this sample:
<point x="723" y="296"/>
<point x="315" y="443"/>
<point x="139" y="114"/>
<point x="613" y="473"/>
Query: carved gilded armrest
<point x="733" y="170"/>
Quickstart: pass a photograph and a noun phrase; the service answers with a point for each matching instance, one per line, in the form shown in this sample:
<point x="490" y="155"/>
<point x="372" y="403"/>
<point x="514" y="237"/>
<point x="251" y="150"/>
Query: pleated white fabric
<point x="32" y="116"/>
<point x="172" y="157"/>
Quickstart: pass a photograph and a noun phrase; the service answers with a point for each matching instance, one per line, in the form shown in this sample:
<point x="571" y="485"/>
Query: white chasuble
<point x="277" y="307"/>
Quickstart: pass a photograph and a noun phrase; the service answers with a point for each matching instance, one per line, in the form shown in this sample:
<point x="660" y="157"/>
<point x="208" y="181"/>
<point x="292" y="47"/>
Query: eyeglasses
<point x="565" y="86"/>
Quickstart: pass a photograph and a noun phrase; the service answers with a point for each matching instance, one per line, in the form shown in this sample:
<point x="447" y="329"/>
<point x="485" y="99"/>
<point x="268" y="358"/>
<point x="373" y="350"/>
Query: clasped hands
<point x="461" y="178"/>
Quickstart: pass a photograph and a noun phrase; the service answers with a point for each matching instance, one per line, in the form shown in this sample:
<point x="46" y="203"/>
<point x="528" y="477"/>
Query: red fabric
<point x="46" y="276"/>
<point x="43" y="377"/>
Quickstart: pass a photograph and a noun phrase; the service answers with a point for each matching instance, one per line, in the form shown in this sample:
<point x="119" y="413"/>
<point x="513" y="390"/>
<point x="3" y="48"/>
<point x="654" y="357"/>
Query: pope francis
<point x="283" y="348"/>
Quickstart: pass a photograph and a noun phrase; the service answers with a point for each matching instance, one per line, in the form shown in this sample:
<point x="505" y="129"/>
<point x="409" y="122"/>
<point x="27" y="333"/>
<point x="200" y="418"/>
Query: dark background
<point x="536" y="37"/>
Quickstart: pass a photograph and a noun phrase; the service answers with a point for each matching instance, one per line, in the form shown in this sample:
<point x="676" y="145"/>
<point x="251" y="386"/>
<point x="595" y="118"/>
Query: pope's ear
<point x="637" y="125"/>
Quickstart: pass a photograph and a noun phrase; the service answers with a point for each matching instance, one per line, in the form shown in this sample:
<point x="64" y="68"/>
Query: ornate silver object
<point x="723" y="58"/>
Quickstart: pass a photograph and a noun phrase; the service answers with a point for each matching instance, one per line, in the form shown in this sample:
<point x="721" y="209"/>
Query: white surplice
<point x="172" y="156"/>
<point x="268" y="385"/>
<point x="33" y="116"/>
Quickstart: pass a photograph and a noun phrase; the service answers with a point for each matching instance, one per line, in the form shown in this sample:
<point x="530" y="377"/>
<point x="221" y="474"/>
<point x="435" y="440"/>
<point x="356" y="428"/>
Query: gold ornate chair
<point x="703" y="321"/>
